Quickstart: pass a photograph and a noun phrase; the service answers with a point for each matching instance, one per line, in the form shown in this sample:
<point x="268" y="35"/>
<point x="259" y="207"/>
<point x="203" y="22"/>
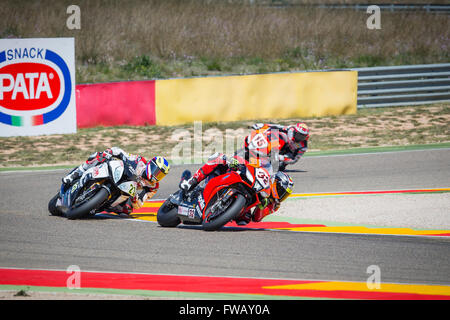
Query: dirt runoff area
<point x="370" y="127"/>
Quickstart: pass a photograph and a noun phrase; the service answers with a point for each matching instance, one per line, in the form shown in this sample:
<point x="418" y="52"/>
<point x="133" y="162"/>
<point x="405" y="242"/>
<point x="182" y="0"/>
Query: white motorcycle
<point x="100" y="188"/>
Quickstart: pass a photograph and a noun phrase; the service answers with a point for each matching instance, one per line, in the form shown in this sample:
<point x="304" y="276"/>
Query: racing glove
<point x="122" y="208"/>
<point x="244" y="219"/>
<point x="276" y="205"/>
<point x="103" y="156"/>
<point x="264" y="202"/>
<point x="233" y="164"/>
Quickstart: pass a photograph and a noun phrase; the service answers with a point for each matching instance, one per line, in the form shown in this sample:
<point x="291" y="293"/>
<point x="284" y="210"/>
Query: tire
<point x="231" y="213"/>
<point x="52" y="206"/>
<point x="85" y="208"/>
<point x="167" y="215"/>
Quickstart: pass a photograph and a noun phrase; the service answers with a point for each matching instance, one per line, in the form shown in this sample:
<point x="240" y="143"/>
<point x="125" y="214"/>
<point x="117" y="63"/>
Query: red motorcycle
<point x="217" y="200"/>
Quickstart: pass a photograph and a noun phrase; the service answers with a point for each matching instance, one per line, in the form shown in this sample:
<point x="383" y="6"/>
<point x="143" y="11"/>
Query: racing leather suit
<point x="219" y="164"/>
<point x="261" y="211"/>
<point x="290" y="151"/>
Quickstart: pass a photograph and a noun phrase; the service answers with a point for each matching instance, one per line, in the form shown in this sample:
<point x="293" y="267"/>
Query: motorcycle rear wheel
<point x="86" y="207"/>
<point x="233" y="210"/>
<point x="167" y="215"/>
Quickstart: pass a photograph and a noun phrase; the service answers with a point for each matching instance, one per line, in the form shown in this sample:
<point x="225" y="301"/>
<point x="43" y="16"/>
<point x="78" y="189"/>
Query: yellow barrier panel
<point x="251" y="97"/>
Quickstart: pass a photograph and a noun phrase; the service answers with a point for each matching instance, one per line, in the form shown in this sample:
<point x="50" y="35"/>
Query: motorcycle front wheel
<point x="229" y="214"/>
<point x="90" y="204"/>
<point x="52" y="206"/>
<point x="167" y="215"/>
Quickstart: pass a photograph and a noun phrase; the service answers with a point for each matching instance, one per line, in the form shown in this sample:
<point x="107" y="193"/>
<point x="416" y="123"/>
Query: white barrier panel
<point x="37" y="86"/>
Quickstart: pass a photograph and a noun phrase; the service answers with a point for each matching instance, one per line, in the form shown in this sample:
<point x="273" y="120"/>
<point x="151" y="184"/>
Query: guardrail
<point x="403" y="85"/>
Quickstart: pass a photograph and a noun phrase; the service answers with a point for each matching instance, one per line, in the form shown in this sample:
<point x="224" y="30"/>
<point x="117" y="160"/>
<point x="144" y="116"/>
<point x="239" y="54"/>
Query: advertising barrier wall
<point x="266" y="96"/>
<point x="116" y="103"/>
<point x="228" y="98"/>
<point x="37" y="86"/>
<point x="37" y="94"/>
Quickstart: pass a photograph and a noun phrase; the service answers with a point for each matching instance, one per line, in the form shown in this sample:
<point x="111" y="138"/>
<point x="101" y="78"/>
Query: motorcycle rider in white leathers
<point x="148" y="175"/>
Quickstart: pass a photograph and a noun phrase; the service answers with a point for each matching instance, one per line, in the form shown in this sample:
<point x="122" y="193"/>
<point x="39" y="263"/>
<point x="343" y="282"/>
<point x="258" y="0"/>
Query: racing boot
<point x="126" y="208"/>
<point x="205" y="171"/>
<point x="244" y="218"/>
<point x="75" y="174"/>
<point x="188" y="185"/>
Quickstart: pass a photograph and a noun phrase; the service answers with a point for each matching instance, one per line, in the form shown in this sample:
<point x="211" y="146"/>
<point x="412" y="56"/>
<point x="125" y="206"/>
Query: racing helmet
<point x="156" y="169"/>
<point x="300" y="132"/>
<point x="282" y="186"/>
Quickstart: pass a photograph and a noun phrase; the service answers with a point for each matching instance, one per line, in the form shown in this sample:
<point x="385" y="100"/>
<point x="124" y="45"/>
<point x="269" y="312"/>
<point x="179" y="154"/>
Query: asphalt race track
<point x="31" y="238"/>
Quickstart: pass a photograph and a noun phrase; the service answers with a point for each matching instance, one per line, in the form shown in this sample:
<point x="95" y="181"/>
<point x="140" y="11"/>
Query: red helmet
<point x="301" y="132"/>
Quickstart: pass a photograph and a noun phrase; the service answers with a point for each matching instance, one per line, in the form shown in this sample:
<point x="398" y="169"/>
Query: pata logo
<point x="35" y="86"/>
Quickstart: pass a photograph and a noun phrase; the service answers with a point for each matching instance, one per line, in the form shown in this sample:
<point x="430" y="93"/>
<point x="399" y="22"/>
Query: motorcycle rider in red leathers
<point x="219" y="164"/>
<point x="292" y="141"/>
<point x="148" y="175"/>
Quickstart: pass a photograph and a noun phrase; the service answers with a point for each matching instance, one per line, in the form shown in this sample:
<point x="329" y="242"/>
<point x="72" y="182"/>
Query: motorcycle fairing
<point x="216" y="184"/>
<point x="98" y="172"/>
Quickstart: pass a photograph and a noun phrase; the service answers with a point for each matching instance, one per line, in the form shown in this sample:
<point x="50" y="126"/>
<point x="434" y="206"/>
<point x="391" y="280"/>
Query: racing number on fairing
<point x="259" y="140"/>
<point x="132" y="190"/>
<point x="263" y="178"/>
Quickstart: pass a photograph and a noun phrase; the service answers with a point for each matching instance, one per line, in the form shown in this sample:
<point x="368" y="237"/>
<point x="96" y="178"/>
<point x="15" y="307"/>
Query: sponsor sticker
<point x="185" y="211"/>
<point x="201" y="202"/>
